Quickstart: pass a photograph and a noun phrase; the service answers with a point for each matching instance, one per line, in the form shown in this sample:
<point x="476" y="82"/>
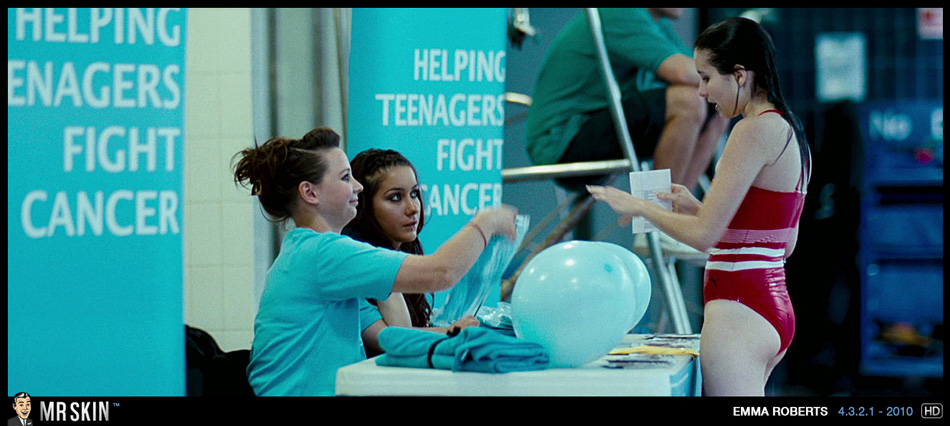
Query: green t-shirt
<point x="570" y="85"/>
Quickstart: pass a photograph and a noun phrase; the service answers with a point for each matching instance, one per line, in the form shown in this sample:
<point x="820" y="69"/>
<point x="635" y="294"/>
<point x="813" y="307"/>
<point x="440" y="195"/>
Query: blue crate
<point x="915" y="230"/>
<point x="903" y="141"/>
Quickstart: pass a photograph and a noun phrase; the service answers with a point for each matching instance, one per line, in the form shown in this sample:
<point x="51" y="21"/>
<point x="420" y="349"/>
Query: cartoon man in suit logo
<point x="21" y="404"/>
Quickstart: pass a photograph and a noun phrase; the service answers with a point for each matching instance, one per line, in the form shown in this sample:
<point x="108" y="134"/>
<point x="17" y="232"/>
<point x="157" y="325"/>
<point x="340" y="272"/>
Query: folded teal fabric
<point x="476" y="349"/>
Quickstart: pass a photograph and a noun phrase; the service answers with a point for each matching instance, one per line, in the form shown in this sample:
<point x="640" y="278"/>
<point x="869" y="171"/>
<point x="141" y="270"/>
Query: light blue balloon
<point x="576" y="299"/>
<point x="640" y="276"/>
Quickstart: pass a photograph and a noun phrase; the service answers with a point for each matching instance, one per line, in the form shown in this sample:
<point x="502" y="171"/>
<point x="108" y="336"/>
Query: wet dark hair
<point x="275" y="169"/>
<point x="741" y="41"/>
<point x="369" y="168"/>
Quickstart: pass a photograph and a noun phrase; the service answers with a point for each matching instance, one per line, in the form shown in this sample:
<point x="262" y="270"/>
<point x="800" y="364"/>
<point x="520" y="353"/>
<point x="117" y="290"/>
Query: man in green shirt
<point x="569" y="119"/>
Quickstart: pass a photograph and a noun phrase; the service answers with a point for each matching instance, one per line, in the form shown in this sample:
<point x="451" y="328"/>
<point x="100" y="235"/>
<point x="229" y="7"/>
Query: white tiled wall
<point x="218" y="216"/>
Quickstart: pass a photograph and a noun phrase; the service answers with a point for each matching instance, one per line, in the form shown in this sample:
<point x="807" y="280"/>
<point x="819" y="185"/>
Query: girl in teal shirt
<point x="312" y="311"/>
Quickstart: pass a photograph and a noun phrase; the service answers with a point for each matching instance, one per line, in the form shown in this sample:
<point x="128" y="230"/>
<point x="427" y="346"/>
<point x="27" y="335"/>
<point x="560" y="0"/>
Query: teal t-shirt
<point x="313" y="311"/>
<point x="570" y="85"/>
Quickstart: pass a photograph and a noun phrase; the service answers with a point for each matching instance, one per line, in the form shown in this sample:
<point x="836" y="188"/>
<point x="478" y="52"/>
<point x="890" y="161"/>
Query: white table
<point x="642" y="375"/>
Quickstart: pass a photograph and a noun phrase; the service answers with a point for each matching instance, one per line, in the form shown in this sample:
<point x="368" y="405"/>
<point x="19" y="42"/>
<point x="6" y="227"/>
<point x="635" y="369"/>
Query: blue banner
<point x="95" y="118"/>
<point x="430" y="84"/>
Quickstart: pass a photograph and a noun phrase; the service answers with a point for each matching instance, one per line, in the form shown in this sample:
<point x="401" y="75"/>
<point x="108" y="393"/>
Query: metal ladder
<point x="662" y="267"/>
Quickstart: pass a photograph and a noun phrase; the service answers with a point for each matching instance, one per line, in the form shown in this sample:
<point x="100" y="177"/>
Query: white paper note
<point x="645" y="185"/>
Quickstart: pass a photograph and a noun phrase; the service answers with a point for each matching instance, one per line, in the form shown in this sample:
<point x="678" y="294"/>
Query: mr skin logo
<point x="75" y="411"/>
<point x="65" y="411"/>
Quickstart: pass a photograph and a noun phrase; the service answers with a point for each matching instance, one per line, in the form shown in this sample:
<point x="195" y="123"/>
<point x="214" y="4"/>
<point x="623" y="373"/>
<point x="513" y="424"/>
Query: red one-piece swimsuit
<point x="747" y="265"/>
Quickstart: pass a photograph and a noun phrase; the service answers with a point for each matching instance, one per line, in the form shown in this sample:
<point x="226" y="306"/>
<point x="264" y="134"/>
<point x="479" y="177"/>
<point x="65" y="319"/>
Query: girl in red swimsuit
<point x="748" y="220"/>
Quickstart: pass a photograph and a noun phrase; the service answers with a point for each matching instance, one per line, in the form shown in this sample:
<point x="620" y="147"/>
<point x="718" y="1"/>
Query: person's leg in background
<point x="597" y="140"/>
<point x="673" y="126"/>
<point x="684" y="146"/>
<point x="716" y="126"/>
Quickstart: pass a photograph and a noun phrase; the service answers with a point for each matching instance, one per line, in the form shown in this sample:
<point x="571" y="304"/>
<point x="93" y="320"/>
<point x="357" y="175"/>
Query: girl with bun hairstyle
<point x="313" y="310"/>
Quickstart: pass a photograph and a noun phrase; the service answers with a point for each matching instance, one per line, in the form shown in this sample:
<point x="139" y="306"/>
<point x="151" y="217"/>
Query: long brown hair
<point x="741" y="41"/>
<point x="369" y="168"/>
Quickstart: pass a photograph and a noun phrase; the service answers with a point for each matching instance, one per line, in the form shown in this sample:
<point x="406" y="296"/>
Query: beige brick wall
<point x="218" y="217"/>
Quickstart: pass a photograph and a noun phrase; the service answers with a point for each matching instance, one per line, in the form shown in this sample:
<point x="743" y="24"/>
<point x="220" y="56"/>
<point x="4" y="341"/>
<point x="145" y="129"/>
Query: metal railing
<point x="667" y="282"/>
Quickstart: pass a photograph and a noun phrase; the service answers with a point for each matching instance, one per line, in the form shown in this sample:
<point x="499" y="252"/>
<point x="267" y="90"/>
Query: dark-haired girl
<point x="391" y="214"/>
<point x="748" y="220"/>
<point x="313" y="311"/>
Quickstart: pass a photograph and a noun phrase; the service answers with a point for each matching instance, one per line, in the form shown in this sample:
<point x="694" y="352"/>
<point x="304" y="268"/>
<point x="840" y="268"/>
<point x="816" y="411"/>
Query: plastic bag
<point x="470" y="293"/>
<point x="497" y="317"/>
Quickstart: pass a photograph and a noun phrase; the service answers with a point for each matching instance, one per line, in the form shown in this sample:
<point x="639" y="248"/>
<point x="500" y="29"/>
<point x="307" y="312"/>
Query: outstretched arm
<point x="742" y="159"/>
<point x="444" y="268"/>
